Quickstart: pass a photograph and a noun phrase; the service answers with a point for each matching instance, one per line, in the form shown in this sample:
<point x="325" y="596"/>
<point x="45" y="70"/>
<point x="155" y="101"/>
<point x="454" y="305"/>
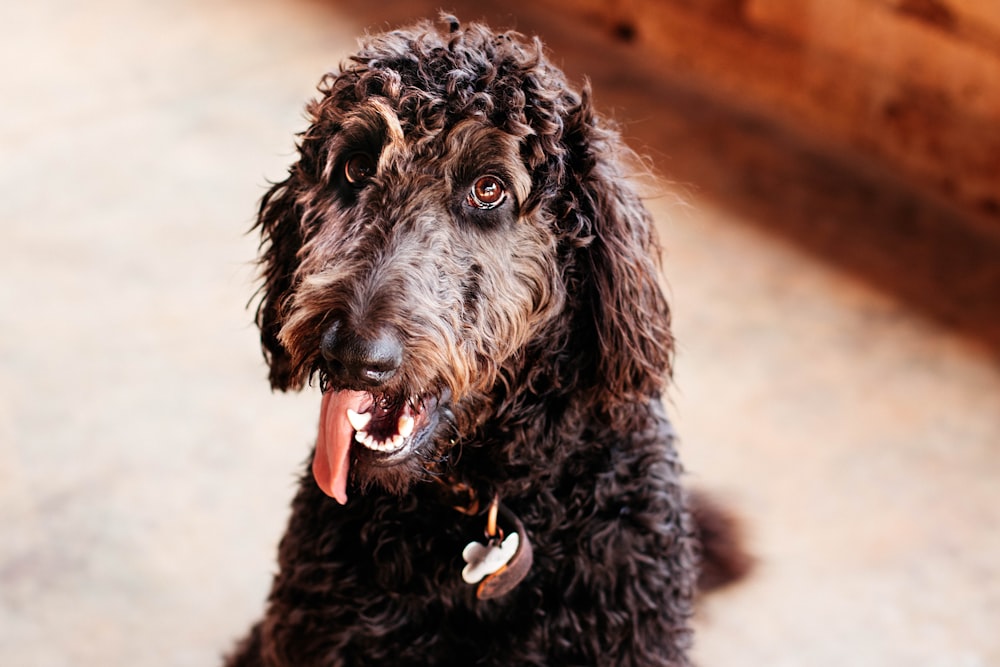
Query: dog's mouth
<point x="381" y="430"/>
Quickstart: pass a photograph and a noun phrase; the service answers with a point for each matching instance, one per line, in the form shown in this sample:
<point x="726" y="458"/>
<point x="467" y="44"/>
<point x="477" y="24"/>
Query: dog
<point x="460" y="262"/>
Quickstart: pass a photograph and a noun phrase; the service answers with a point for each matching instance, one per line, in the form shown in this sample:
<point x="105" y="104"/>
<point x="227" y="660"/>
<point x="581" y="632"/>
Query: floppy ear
<point x="616" y="258"/>
<point x="281" y="237"/>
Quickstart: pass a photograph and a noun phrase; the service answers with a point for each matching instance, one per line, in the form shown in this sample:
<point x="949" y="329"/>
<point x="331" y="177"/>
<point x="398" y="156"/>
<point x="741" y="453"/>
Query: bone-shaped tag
<point x="485" y="559"/>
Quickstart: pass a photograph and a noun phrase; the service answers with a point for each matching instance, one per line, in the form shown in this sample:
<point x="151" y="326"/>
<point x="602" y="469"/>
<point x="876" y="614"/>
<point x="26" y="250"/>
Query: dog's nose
<point x="355" y="360"/>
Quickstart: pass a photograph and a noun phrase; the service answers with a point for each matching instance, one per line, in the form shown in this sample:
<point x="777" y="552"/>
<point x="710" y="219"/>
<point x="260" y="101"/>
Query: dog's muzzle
<point x="360" y="361"/>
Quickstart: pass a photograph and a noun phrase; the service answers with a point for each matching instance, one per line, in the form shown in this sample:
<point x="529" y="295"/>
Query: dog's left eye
<point x="487" y="193"/>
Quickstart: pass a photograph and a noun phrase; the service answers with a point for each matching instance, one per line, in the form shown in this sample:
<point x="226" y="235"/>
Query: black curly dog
<point x="458" y="259"/>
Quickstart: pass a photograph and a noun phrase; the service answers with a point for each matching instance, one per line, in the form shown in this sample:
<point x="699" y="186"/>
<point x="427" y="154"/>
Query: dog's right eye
<point x="359" y="168"/>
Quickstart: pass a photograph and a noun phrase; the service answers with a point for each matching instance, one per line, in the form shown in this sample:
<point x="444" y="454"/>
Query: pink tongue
<point x="333" y="446"/>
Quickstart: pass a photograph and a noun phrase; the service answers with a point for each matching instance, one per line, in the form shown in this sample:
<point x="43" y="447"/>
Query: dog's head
<point x="456" y="232"/>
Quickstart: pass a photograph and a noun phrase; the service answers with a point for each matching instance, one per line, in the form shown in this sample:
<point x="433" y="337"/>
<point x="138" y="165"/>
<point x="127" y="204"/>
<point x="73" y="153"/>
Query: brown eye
<point x="487" y="192"/>
<point x="359" y="168"/>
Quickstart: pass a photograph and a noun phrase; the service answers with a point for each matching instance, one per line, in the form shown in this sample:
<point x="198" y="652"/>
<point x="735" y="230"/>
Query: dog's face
<point x="427" y="237"/>
<point x="418" y="278"/>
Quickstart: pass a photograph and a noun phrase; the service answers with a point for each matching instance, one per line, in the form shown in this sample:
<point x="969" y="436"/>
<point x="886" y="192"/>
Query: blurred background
<point x="828" y="198"/>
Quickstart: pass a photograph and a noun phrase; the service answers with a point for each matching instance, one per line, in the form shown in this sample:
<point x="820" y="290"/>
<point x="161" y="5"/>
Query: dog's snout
<point x="356" y="360"/>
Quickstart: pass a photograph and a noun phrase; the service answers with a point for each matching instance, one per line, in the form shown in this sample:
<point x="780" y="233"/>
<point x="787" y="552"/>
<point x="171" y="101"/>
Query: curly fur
<point x="541" y="333"/>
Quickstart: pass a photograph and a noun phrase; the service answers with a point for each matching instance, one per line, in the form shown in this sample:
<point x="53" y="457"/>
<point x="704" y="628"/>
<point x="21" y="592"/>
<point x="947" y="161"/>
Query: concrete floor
<point x="837" y="371"/>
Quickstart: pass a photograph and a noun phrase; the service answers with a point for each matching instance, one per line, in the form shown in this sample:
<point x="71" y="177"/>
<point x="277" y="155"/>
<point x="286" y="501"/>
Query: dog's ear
<point x="617" y="259"/>
<point x="279" y="223"/>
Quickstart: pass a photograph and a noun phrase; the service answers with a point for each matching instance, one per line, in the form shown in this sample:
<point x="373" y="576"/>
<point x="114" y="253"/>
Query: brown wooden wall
<point x="912" y="84"/>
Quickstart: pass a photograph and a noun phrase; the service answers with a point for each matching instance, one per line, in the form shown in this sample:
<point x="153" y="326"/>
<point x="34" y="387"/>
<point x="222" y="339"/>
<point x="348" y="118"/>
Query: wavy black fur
<point x="541" y="325"/>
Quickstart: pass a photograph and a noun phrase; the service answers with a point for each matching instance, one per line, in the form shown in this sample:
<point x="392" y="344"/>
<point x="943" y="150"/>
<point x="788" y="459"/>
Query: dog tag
<point x="504" y="561"/>
<point x="485" y="559"/>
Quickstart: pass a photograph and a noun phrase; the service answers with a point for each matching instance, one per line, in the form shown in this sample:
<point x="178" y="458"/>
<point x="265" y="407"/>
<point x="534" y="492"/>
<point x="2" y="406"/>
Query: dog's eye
<point x="359" y="168"/>
<point x="487" y="193"/>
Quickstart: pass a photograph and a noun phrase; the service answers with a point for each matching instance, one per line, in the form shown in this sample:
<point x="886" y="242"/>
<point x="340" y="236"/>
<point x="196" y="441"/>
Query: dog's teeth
<point x="393" y="444"/>
<point x="405" y="426"/>
<point x="359" y="420"/>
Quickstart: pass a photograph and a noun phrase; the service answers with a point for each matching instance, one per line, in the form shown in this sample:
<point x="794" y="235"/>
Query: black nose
<point x="354" y="360"/>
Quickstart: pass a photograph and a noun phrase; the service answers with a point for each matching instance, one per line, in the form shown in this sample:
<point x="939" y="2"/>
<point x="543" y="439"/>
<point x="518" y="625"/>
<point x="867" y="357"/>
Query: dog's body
<point x="457" y="257"/>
